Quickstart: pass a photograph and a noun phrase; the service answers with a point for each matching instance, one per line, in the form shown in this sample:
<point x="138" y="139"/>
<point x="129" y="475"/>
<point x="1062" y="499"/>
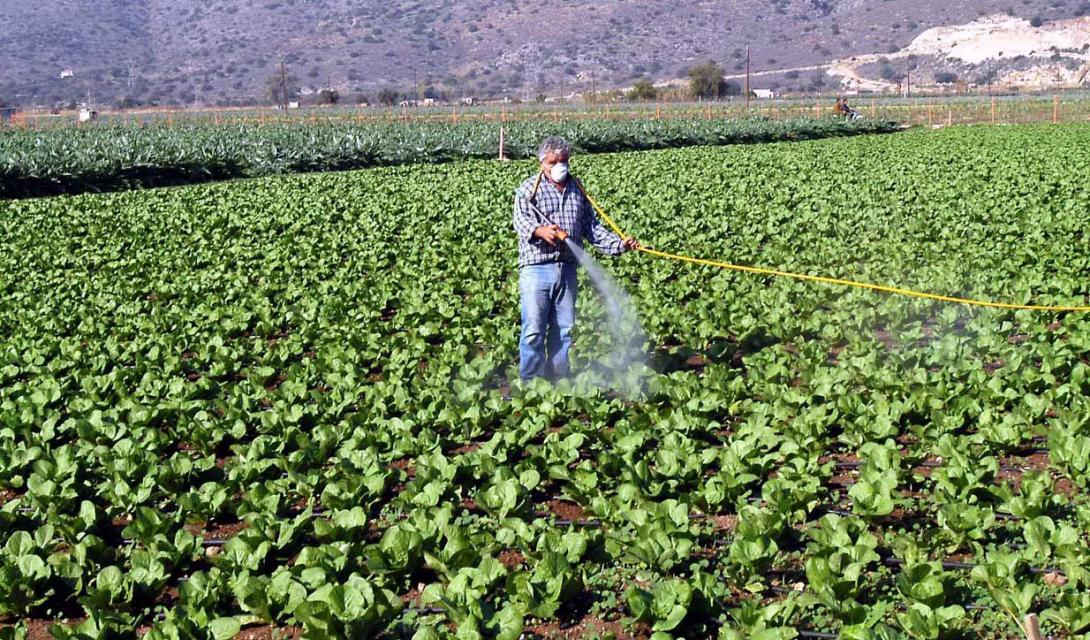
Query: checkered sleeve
<point x="524" y="220"/>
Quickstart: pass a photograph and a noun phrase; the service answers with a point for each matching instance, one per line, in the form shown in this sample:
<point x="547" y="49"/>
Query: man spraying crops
<point x="551" y="211"/>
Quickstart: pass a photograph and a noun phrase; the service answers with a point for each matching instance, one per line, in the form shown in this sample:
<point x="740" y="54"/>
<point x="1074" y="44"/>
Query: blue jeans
<point x="547" y="293"/>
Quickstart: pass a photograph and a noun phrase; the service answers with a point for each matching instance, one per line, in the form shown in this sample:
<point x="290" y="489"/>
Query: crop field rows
<point x="286" y="404"/>
<point x="1065" y="106"/>
<point x="96" y="159"/>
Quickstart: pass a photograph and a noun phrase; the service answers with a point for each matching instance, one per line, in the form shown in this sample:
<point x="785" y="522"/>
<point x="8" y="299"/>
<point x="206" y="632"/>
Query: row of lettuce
<point x="108" y="158"/>
<point x="282" y="403"/>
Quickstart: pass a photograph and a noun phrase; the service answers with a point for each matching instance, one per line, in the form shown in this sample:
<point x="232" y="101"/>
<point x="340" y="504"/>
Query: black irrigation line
<point x="894" y="561"/>
<point x="935" y="464"/>
<point x="970" y="606"/>
<point x="969" y="566"/>
<point x="1007" y="517"/>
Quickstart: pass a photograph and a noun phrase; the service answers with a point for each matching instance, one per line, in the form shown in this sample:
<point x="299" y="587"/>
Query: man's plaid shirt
<point x="567" y="209"/>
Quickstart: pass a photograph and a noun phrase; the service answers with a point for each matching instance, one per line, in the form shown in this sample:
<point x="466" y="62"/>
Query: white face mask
<point x="559" y="172"/>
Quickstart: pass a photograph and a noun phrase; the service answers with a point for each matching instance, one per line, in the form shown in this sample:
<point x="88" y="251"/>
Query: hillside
<point x="222" y="51"/>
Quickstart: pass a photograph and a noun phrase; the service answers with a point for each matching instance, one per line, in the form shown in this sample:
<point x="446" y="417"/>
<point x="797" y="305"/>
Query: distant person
<point x="849" y="113"/>
<point x="550" y="211"/>
<point x="839" y="108"/>
<point x="844" y="110"/>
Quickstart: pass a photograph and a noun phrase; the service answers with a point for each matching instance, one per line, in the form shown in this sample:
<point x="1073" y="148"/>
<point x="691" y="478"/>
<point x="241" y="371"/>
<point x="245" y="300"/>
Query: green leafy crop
<point x="287" y="402"/>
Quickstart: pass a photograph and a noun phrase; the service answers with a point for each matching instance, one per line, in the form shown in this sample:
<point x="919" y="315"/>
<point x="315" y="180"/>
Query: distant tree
<point x="946" y="77"/>
<point x="987" y="76"/>
<point x="1036" y="21"/>
<point x="388" y="97"/>
<point x="282" y="90"/>
<point x="706" y="81"/>
<point x="327" y="96"/>
<point x="124" y="102"/>
<point x="435" y="93"/>
<point x="643" y="89"/>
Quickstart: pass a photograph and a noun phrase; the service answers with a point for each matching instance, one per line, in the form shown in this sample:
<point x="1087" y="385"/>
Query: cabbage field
<point x="284" y="404"/>
<point x="109" y="158"/>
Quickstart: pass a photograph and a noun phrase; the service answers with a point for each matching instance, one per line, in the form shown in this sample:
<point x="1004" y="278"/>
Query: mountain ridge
<point x="225" y="52"/>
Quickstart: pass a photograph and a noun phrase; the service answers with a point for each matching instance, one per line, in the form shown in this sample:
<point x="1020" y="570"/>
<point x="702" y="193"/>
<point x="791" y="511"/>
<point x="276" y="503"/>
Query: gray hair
<point x="554" y="144"/>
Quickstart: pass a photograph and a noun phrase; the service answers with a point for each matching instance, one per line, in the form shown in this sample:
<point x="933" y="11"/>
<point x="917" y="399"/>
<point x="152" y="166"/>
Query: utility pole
<point x="283" y="85"/>
<point x="908" y="79"/>
<point x="593" y="87"/>
<point x="747" y="77"/>
<point x="416" y="87"/>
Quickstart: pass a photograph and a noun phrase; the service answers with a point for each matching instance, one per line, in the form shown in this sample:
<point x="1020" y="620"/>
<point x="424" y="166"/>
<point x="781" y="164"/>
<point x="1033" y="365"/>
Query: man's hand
<point x="550" y="233"/>
<point x="631" y="244"/>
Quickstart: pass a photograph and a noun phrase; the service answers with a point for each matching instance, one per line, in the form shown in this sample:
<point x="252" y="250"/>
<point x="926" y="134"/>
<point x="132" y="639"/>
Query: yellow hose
<point x="823" y="279"/>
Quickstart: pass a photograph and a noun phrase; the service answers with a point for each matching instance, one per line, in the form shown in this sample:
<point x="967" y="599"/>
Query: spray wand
<point x="560" y="234"/>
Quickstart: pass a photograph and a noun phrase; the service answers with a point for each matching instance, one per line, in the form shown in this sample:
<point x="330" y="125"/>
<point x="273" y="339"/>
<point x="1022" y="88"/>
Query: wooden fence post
<point x="501" y="143"/>
<point x="1055" y="109"/>
<point x="1033" y="629"/>
<point x="993" y="109"/>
